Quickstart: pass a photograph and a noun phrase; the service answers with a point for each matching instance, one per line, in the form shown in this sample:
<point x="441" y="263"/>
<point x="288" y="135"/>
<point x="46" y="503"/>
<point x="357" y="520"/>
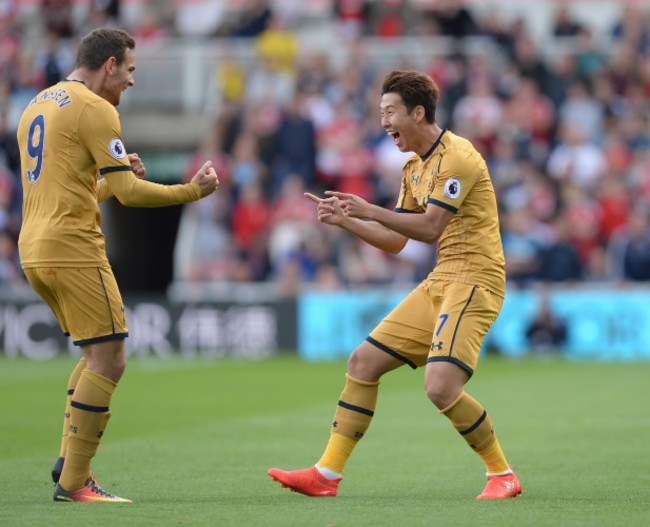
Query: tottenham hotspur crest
<point x="453" y="188"/>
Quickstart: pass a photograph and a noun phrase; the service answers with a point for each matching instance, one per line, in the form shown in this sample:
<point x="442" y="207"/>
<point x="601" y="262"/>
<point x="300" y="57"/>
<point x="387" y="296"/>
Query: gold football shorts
<point x="439" y="321"/>
<point x="85" y="300"/>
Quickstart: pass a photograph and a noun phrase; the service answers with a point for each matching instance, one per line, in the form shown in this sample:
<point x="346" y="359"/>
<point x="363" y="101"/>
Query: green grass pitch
<point x="190" y="442"/>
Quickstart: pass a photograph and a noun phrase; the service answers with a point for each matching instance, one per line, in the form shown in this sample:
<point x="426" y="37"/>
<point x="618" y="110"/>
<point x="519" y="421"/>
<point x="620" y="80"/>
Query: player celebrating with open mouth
<point x="446" y="197"/>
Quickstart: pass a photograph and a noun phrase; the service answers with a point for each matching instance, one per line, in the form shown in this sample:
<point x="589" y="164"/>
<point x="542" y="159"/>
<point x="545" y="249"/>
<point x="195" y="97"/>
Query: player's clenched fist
<point x="206" y="178"/>
<point x="137" y="166"/>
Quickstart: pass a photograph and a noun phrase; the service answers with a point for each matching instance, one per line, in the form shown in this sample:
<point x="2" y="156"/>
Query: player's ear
<point x="108" y="65"/>
<point x="418" y="113"/>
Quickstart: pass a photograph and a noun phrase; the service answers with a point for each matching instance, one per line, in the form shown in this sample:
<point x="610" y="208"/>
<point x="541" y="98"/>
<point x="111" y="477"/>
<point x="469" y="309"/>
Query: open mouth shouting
<point x="395" y="135"/>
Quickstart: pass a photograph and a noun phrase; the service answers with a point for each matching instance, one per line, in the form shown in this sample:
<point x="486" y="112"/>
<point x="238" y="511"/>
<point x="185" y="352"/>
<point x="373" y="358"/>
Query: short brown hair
<point x="100" y="45"/>
<point x="415" y="89"/>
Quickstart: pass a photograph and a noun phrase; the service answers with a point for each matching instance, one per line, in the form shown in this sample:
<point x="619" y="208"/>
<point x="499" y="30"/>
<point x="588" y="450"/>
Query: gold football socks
<point x="474" y="424"/>
<point x="353" y="415"/>
<point x="89" y="413"/>
<point x="72" y="384"/>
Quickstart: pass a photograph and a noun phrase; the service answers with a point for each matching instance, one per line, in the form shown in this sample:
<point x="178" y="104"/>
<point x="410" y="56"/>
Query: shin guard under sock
<point x="89" y="413"/>
<point x="353" y="415"/>
<point x="72" y="384"/>
<point x="471" y="420"/>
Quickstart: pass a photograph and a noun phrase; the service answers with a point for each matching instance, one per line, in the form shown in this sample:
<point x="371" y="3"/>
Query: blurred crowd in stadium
<point x="566" y="137"/>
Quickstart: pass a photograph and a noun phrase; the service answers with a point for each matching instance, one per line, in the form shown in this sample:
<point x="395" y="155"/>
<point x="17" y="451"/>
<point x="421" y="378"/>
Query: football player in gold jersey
<point x="446" y="197"/>
<point x="69" y="136"/>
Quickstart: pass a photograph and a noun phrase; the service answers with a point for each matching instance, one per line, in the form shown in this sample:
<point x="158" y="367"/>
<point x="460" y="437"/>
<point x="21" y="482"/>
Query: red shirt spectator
<point x="615" y="203"/>
<point x="251" y="217"/>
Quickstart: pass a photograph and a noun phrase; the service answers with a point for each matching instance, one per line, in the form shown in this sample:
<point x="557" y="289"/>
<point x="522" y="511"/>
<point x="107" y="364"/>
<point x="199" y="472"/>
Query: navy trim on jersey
<point x="108" y="302"/>
<point x="119" y="168"/>
<point x="400" y="209"/>
<point x="385" y="348"/>
<point x="356" y="408"/>
<point x="475" y="425"/>
<point x="89" y="408"/>
<point x="454" y="360"/>
<point x="408" y="162"/>
<point x="70" y="392"/>
<point x="435" y="145"/>
<point x="460" y="318"/>
<point x="106" y="338"/>
<point x="443" y="205"/>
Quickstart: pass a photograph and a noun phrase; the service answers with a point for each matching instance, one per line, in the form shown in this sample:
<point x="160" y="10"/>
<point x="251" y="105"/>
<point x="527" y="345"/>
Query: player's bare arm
<point x="330" y="212"/>
<point x="426" y="227"/>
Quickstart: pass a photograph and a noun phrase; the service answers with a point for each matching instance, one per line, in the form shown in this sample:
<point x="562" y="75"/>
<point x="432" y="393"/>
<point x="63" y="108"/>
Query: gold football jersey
<point x="67" y="135"/>
<point x="453" y="175"/>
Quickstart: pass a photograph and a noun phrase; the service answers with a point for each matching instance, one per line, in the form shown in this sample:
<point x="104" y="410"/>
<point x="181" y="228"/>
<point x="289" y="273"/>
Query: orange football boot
<point x="92" y="492"/>
<point x="309" y="481"/>
<point x="500" y="487"/>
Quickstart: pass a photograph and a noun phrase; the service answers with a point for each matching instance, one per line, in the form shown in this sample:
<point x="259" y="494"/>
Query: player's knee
<point x="111" y="368"/>
<point x="442" y="395"/>
<point x="119" y="365"/>
<point x="361" y="366"/>
<point x="356" y="364"/>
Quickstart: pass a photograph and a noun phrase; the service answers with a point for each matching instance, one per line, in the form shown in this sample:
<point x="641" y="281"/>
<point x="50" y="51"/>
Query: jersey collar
<point x="435" y="145"/>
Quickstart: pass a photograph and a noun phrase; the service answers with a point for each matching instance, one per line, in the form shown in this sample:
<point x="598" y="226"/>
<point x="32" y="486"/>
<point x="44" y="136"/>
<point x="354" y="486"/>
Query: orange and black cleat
<point x="92" y="492"/>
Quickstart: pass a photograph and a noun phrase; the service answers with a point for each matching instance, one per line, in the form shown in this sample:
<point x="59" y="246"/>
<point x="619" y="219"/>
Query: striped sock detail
<point x="88" y="407"/>
<point x="354" y="408"/>
<point x="475" y="425"/>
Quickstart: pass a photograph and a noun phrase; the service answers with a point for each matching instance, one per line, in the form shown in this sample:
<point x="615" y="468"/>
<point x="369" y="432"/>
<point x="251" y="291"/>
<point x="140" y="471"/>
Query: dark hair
<point x="415" y="89"/>
<point x="100" y="45"/>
